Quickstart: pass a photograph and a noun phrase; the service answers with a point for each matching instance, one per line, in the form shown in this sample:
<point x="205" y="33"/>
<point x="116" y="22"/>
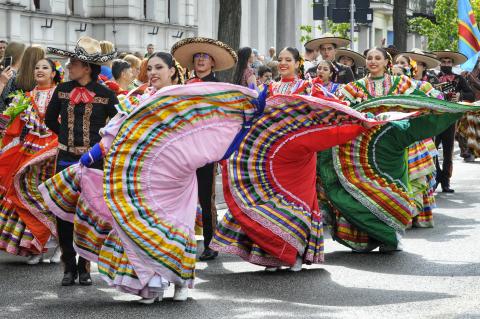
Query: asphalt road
<point x="436" y="276"/>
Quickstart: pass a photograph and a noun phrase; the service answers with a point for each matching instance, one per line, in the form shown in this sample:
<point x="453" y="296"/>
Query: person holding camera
<point x="11" y="63"/>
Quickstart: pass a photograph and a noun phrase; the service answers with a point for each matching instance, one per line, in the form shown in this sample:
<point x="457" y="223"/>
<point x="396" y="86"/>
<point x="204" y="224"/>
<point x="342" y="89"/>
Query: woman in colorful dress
<point x="365" y="182"/>
<point x="421" y="155"/>
<point x="290" y="68"/>
<point x="269" y="183"/>
<point x="244" y="73"/>
<point x="166" y="137"/>
<point x="25" y="222"/>
<point x="323" y="82"/>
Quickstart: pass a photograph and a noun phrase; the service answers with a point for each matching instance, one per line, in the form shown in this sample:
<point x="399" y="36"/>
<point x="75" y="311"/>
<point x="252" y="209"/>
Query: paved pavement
<point x="436" y="276"/>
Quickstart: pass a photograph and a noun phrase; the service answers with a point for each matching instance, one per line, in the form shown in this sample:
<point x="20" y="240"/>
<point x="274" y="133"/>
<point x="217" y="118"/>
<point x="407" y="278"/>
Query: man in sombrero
<point x="461" y="91"/>
<point x="352" y="59"/>
<point x="76" y="113"/>
<point x="205" y="56"/>
<point x="328" y="45"/>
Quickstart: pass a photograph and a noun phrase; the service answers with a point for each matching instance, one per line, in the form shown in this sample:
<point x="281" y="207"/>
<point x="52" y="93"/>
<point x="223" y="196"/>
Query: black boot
<point x="84" y="279"/>
<point x="69" y="278"/>
<point x="446" y="188"/>
<point x="208" y="254"/>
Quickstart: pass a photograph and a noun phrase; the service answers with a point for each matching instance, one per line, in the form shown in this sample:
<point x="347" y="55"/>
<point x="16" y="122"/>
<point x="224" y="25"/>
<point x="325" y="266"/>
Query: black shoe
<point x="208" y="254"/>
<point x="84" y="279"/>
<point x="447" y="189"/>
<point x="69" y="279"/>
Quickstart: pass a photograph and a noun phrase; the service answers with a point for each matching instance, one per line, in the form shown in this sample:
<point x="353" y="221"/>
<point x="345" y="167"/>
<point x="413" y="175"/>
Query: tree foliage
<point x="338" y="29"/>
<point x="442" y="34"/>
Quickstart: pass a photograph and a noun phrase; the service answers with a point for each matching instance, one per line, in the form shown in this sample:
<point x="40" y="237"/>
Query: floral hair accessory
<point x="60" y="70"/>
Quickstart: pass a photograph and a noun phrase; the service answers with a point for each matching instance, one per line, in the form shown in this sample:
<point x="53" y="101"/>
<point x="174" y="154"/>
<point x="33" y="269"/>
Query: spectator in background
<point x="106" y="69"/>
<point x="244" y="74"/>
<point x="256" y="63"/>
<point x="150" y="50"/>
<point x="273" y="65"/>
<point x="3" y="46"/>
<point x="142" y="75"/>
<point x="264" y="75"/>
<point x="136" y="64"/>
<point x="271" y="55"/>
<point x="310" y="58"/>
<point x="25" y="79"/>
<point x="122" y="77"/>
<point x="139" y="55"/>
<point x="8" y="76"/>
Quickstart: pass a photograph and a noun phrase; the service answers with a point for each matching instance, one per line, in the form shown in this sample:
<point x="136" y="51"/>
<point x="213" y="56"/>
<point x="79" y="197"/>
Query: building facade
<point x="132" y="24"/>
<point x="129" y="24"/>
<point x="261" y="30"/>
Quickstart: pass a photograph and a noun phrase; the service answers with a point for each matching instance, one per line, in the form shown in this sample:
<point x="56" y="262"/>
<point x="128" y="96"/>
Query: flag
<point x="468" y="33"/>
<point x="469" y="65"/>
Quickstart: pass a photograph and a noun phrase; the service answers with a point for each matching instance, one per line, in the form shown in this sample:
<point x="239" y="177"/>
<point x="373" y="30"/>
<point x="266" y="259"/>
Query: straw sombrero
<point x="457" y="57"/>
<point x="357" y="58"/>
<point x="424" y="57"/>
<point x="87" y="49"/>
<point x="325" y="39"/>
<point x="224" y="56"/>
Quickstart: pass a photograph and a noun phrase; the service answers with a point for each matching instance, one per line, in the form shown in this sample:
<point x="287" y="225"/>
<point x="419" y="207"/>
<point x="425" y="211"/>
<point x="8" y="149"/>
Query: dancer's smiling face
<point x="287" y="65"/>
<point x="158" y="73"/>
<point x="376" y="62"/>
<point x="43" y="73"/>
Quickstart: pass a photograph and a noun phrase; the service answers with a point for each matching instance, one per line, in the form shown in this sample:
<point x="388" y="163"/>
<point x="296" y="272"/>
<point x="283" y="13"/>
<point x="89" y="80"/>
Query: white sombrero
<point x="325" y="39"/>
<point x="357" y="58"/>
<point x="87" y="49"/>
<point x="423" y="57"/>
<point x="184" y="50"/>
<point x="457" y="57"/>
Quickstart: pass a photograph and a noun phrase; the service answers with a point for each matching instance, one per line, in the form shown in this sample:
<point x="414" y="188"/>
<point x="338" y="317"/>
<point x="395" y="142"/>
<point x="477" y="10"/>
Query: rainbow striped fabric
<point x="143" y="223"/>
<point x="362" y="170"/>
<point x="270" y="182"/>
<point x="149" y="179"/>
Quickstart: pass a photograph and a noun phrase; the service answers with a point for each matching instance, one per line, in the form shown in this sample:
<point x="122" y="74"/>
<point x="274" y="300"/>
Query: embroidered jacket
<point x="79" y="125"/>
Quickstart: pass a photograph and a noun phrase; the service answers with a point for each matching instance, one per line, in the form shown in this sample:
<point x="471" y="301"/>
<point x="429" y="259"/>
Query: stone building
<point x="129" y="24"/>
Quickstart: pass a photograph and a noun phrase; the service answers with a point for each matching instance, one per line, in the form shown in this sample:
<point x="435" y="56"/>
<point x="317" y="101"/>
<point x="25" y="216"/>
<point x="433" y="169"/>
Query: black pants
<point x="447" y="138"/>
<point x="206" y="197"/>
<point x="65" y="229"/>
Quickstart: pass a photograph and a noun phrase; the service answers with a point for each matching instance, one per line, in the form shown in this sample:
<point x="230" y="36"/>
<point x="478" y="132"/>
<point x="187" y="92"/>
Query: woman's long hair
<point x="242" y="64"/>
<point x="26" y="73"/>
<point x="15" y="50"/>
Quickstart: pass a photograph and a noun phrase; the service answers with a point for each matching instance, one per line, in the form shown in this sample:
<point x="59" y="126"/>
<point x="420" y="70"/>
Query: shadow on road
<point x="446" y="228"/>
<point x="308" y="287"/>
<point x="402" y="263"/>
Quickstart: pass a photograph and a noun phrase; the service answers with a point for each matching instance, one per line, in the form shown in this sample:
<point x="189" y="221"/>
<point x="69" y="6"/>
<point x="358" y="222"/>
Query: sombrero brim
<point x="357" y="58"/>
<point x="430" y="62"/>
<point x="94" y="59"/>
<point x="224" y="56"/>
<point x="457" y="57"/>
<point x="316" y="43"/>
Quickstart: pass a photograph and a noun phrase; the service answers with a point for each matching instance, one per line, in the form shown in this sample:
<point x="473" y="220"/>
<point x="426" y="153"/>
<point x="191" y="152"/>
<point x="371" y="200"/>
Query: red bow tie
<point x="81" y="95"/>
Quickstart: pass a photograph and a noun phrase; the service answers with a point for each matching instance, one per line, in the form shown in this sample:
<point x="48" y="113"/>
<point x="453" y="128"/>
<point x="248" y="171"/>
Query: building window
<point x="71" y="5"/>
<point x="168" y="11"/>
<point x="36" y="3"/>
<point x="144" y="9"/>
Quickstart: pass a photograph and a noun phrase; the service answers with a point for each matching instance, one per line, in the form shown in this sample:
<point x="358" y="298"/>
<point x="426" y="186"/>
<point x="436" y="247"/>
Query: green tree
<point x="338" y="29"/>
<point x="443" y="33"/>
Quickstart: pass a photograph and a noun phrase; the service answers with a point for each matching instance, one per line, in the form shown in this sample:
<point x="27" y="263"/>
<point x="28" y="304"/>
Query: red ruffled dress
<point x="25" y="222"/>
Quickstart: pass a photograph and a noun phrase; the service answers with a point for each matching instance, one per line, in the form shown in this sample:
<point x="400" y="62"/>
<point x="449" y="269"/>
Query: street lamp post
<point x="325" y="16"/>
<point x="352" y="22"/>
